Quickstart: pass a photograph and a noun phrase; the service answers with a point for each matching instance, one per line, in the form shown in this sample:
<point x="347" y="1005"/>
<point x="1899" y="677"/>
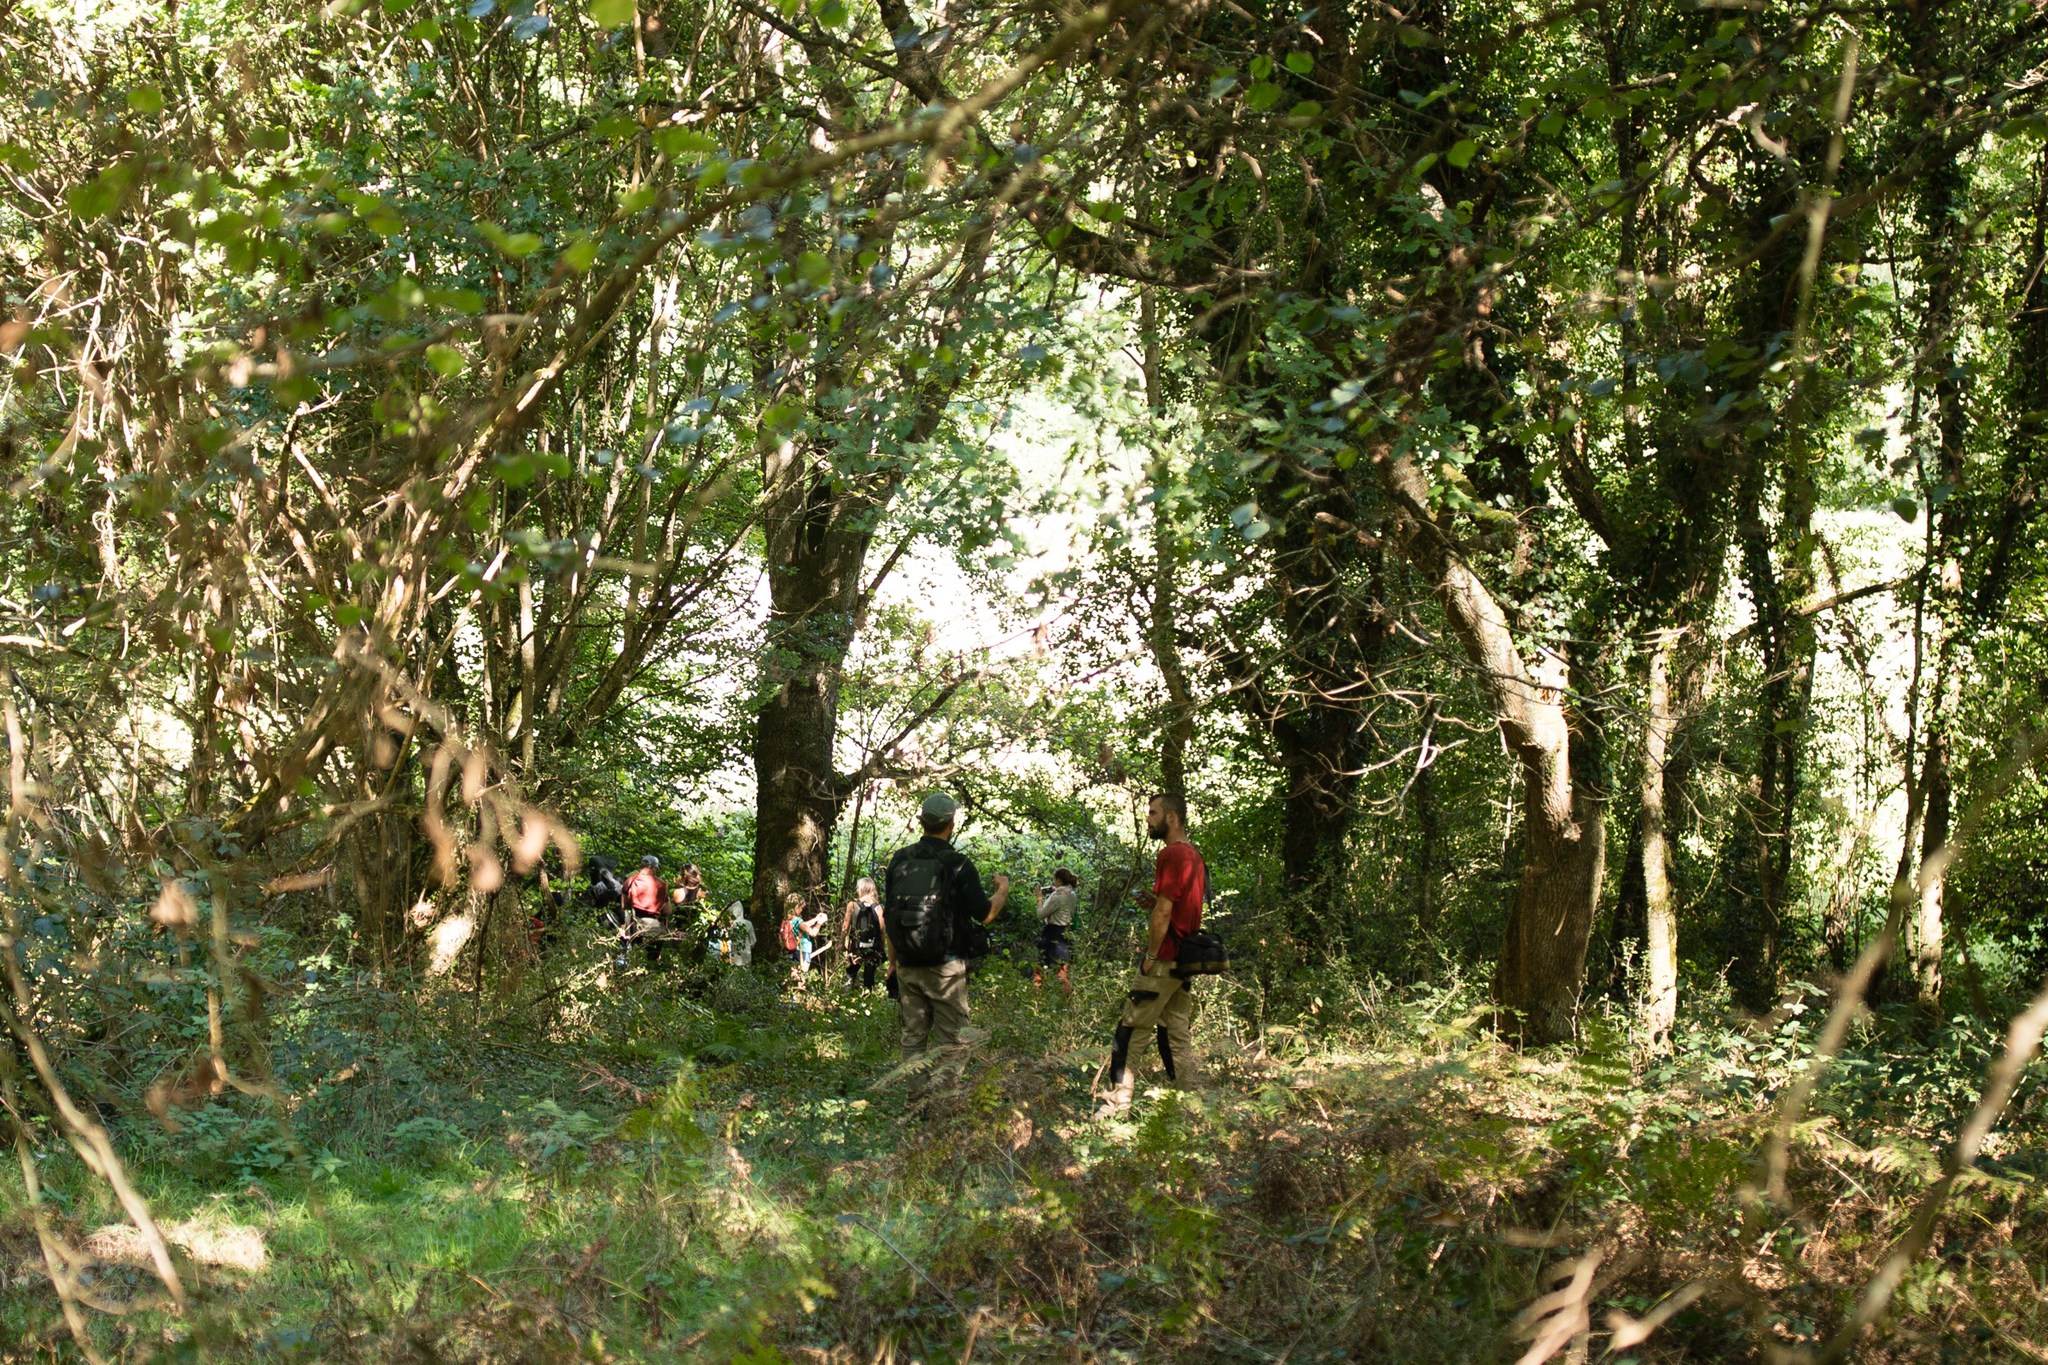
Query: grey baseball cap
<point x="938" y="806"/>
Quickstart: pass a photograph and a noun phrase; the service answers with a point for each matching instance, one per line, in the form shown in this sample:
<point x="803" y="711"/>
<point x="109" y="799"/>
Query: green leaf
<point x="1263" y="95"/>
<point x="1262" y="67"/>
<point x="146" y="99"/>
<point x="517" y="245"/>
<point x="1300" y="63"/>
<point x="672" y="140"/>
<point x="611" y="13"/>
<point x="1907" y="509"/>
<point x="516" y="469"/>
<point x="101" y="195"/>
<point x="1306" y="111"/>
<point x="1462" y="154"/>
<point x="580" y="254"/>
<point x="93" y="199"/>
<point x="446" y="360"/>
<point x="458" y="300"/>
<point x="2032" y="126"/>
<point x="814" y="269"/>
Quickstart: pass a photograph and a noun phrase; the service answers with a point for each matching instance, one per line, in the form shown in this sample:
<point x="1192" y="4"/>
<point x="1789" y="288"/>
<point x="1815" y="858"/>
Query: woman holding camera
<point x="1056" y="906"/>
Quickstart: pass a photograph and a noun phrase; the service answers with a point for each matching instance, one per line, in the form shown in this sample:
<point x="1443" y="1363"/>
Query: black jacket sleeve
<point x="968" y="897"/>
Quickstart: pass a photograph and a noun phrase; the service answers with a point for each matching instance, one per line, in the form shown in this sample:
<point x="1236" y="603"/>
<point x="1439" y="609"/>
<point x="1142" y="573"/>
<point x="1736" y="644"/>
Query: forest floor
<point x="680" y="1168"/>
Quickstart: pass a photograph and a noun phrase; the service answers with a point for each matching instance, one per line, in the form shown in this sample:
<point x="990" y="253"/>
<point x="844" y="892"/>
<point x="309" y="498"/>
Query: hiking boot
<point x="1116" y="1101"/>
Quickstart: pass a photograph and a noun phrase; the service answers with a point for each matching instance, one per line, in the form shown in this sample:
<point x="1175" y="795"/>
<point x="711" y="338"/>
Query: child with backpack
<point x="800" y="936"/>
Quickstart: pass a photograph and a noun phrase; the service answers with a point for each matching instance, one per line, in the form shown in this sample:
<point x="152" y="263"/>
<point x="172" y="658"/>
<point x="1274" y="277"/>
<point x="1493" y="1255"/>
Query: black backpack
<point x="920" y="920"/>
<point x="867" y="929"/>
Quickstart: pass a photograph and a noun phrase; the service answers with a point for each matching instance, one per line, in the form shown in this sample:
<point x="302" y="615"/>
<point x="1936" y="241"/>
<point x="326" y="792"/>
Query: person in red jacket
<point x="646" y="899"/>
<point x="1159" y="999"/>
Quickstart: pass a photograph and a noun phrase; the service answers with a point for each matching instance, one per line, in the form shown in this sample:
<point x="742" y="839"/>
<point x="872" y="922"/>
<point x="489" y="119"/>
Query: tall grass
<point x="686" y="1167"/>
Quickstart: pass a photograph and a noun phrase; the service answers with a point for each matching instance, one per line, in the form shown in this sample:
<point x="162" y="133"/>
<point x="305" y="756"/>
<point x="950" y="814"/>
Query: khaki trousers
<point x="1162" y="1004"/>
<point x="932" y="1002"/>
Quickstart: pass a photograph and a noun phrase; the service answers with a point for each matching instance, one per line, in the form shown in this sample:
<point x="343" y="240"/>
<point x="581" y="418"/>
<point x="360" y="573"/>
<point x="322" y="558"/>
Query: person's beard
<point x="1156" y="828"/>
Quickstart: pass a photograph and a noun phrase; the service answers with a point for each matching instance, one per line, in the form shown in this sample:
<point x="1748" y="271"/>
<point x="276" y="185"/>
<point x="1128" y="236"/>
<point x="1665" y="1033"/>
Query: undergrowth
<point x="686" y="1167"/>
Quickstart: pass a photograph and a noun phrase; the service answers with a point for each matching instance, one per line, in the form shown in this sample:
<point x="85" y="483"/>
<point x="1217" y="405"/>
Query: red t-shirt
<point x="643" y="894"/>
<point x="1182" y="877"/>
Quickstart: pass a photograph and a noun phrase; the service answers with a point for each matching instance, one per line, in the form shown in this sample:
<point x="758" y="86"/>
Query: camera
<point x="1045" y="891"/>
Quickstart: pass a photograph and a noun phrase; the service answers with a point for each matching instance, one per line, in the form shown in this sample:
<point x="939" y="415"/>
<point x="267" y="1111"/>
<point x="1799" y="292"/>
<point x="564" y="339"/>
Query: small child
<point x="738" y="943"/>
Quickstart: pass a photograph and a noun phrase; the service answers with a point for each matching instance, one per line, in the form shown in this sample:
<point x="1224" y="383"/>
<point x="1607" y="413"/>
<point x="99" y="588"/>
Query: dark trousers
<point x="860" y="971"/>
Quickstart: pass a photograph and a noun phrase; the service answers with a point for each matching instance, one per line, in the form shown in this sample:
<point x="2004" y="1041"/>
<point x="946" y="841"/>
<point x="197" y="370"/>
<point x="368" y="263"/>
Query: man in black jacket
<point x="932" y="902"/>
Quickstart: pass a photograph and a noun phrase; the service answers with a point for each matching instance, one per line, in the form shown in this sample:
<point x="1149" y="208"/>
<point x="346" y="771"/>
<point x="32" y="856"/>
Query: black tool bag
<point x="1201" y="954"/>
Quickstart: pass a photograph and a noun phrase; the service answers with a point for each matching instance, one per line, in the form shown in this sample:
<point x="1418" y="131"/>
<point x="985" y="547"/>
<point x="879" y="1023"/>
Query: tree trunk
<point x="1542" y="966"/>
<point x="1543" y="960"/>
<point x="817" y="543"/>
<point x="1317" y="808"/>
<point x="1660" y="915"/>
<point x="380" y="857"/>
<point x="1428" y="843"/>
<point x="1789" y="643"/>
<point x="1337" y="644"/>
<point x="853" y="872"/>
<point x="1927" y="935"/>
<point x="1178" y="731"/>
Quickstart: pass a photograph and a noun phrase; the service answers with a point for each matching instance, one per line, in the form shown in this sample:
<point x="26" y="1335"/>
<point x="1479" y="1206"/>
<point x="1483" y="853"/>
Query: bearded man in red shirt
<point x="1160" y="999"/>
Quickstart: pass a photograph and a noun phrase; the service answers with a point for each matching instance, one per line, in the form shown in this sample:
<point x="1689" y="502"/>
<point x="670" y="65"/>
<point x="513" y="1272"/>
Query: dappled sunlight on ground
<point x="226" y="1246"/>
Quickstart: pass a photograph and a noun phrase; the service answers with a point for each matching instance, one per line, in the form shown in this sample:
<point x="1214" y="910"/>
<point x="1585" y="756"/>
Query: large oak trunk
<point x="1543" y="960"/>
<point x="817" y="542"/>
<point x="1317" y="746"/>
<point x="1316" y="696"/>
<point x="1542" y="969"/>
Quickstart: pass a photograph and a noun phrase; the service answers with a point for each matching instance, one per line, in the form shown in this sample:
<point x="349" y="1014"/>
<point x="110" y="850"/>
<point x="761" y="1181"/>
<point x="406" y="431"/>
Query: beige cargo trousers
<point x="1163" y="1003"/>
